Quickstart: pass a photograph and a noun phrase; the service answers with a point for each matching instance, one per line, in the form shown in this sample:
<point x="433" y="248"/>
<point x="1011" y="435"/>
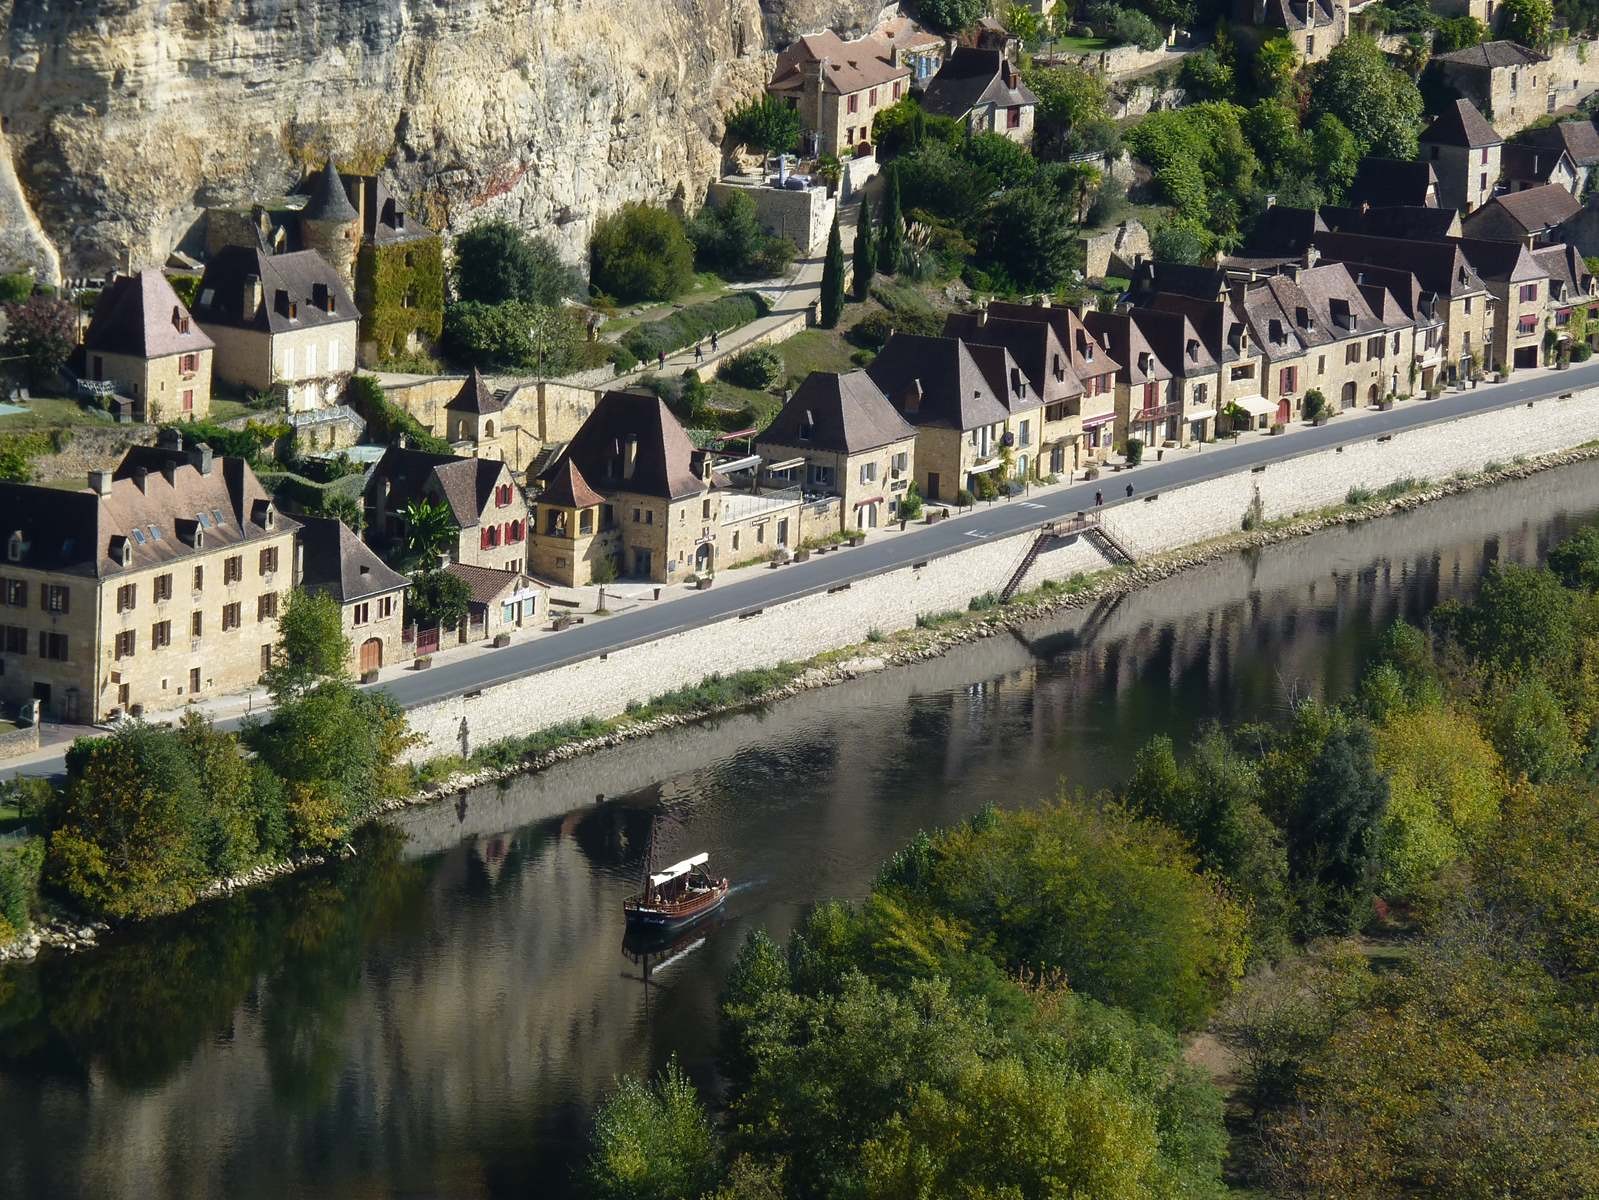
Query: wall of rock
<point x="122" y="118"/>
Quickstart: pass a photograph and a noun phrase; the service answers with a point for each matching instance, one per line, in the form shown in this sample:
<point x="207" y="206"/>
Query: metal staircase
<point x="1107" y="544"/>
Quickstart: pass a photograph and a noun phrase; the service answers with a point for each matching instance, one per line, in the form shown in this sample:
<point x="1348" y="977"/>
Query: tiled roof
<point x="568" y="489"/>
<point x="935" y="381"/>
<point x="329" y="201"/>
<point x="1034" y="345"/>
<point x="153" y="514"/>
<point x="475" y="396"/>
<point x="1175" y="341"/>
<point x="843" y="413"/>
<point x="302" y="279"/>
<point x="1522" y="163"/>
<point x="1490" y="55"/>
<point x="1409" y="221"/>
<point x="1284" y="230"/>
<point x="1219" y="323"/>
<point x="1534" y="210"/>
<point x="1500" y="262"/>
<point x="1088" y="357"/>
<point x="972" y="76"/>
<point x="140" y="315"/>
<point x="467" y="484"/>
<point x="631" y="442"/>
<point x="335" y="561"/>
<point x="1439" y="266"/>
<point x="1380" y="182"/>
<point x="488" y="584"/>
<point x="1283" y="14"/>
<point x="1140" y="363"/>
<point x="851" y="66"/>
<point x="1460" y="124"/>
<point x="1578" y="138"/>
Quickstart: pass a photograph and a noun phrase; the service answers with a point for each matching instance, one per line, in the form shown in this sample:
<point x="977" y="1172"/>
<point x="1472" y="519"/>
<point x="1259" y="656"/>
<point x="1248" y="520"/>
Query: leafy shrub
<point x="41" y="331"/>
<point x="1315" y="404"/>
<point x="759" y="367"/>
<point x="20" y="865"/>
<point x="1126" y="26"/>
<point x="963" y="498"/>
<point x="1358" y="494"/>
<point x="641" y="252"/>
<point x="950" y="16"/>
<point x="1135" y="450"/>
<point x="495" y="262"/>
<point x="689" y="325"/>
<point x="386" y="421"/>
<point x="728" y="238"/>
<point x="515" y="334"/>
<point x="16" y="287"/>
<point x="765" y="124"/>
<point x="873" y="330"/>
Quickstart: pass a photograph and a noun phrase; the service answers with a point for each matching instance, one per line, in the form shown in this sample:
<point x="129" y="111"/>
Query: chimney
<point x="404" y="441"/>
<point x="629" y="457"/>
<point x="169" y="471"/>
<point x="200" y="458"/>
<point x="170" y="439"/>
<point x="252" y="294"/>
<point x="1312" y="256"/>
<point x="100" y="482"/>
<point x="141" y="477"/>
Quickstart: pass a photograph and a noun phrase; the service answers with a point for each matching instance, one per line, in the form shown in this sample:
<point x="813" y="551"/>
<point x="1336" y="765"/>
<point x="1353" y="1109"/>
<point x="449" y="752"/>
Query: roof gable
<point x="844" y="413"/>
<point x="140" y="315"/>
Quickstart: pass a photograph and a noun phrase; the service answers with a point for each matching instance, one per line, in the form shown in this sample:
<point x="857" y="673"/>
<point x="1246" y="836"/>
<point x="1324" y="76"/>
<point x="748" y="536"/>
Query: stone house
<point x="1315" y="27"/>
<point x="838" y="87"/>
<point x="919" y="50"/>
<point x="1509" y="84"/>
<point x="981" y="89"/>
<point x="371" y="596"/>
<point x="279" y="320"/>
<point x="487" y="508"/>
<point x="1195" y="378"/>
<point x="1092" y="364"/>
<point x="1037" y="349"/>
<point x="1579" y="139"/>
<point x="1525" y="166"/>
<point x="1519" y="284"/>
<point x="143" y="341"/>
<point x="838" y="435"/>
<point x="1465" y="152"/>
<point x="1225" y="340"/>
<point x="159" y="584"/>
<point x="1571" y="288"/>
<point x="631" y="488"/>
<point x="1144" y="388"/>
<point x="1534" y="217"/>
<point x="974" y="412"/>
<point x="499" y="602"/>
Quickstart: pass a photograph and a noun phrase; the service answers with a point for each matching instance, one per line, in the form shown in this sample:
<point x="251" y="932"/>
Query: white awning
<point x="995" y="465"/>
<point x="1255" y="406"/>
<point x="1200" y="414"/>
<point x="676" y="870"/>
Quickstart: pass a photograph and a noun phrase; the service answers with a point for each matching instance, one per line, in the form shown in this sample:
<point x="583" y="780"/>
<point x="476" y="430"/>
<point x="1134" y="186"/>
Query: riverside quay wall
<point x="800" y="628"/>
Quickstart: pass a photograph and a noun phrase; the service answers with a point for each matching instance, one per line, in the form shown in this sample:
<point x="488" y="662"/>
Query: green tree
<point x="437" y="599"/>
<point x="994" y="153"/>
<point x="1205" y="76"/>
<point x="342" y="507"/>
<point x="514" y="334"/>
<point x="1275" y="66"/>
<point x="1531" y="733"/>
<point x="42" y="330"/>
<point x="865" y="252"/>
<point x="1029" y="236"/>
<point x="1179" y="240"/>
<point x="1021" y="22"/>
<point x="653" y="1142"/>
<point x="240" y="820"/>
<point x="765" y="124"/>
<point x="891" y="229"/>
<point x="495" y="262"/>
<point x="1273" y="131"/>
<point x="950" y="16"/>
<point x="1458" y="33"/>
<point x="1335" y="155"/>
<point x="641" y="252"/>
<point x="311" y="646"/>
<point x="1378" y="104"/>
<point x="1069" y="98"/>
<point x="430" y="531"/>
<point x="833" y="279"/>
<point x="1521" y="617"/>
<point x="1575" y="561"/>
<point x="1527" y="21"/>
<point x="1332" y="832"/>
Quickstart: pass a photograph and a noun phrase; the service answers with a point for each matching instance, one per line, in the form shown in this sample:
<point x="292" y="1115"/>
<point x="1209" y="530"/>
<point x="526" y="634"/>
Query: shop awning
<point x="995" y="465"/>
<point x="1256" y="406"/>
<point x="1096" y="422"/>
<point x="1200" y="414"/>
<point x="868" y="500"/>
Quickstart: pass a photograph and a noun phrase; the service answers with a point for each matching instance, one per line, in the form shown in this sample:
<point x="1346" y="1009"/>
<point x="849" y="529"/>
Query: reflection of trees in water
<point x="138" y="1008"/>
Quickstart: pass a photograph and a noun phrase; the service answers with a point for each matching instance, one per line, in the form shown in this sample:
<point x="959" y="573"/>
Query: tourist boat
<point x="681" y="894"/>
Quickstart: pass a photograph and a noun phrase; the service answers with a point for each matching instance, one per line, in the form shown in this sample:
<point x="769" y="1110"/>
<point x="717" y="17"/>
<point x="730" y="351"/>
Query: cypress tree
<point x="833" y="279"/>
<point x="865" y="252"/>
<point x="891" y="237"/>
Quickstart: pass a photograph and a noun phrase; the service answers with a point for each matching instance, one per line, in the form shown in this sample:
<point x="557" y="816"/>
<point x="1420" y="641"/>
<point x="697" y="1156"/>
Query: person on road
<point x="1129" y="491"/>
<point x="660" y="357"/>
<point x="713" y="341"/>
<point x="1099" y="498"/>
<point x="699" y="352"/>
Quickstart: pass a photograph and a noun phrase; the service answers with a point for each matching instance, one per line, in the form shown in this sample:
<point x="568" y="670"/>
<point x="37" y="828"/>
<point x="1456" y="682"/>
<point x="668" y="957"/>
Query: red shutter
<point x="483" y="538"/>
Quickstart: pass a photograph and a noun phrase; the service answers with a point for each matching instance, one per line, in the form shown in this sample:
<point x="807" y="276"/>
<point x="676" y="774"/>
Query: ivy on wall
<point x="384" y="279"/>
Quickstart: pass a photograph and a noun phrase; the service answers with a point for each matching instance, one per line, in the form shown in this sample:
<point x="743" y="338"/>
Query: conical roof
<point x="568" y="489"/>
<point x="475" y="396"/>
<point x="329" y="201"/>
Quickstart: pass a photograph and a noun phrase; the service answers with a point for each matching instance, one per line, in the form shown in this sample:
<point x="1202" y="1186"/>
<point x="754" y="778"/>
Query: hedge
<point x="694" y="323"/>
<point x="385" y="420"/>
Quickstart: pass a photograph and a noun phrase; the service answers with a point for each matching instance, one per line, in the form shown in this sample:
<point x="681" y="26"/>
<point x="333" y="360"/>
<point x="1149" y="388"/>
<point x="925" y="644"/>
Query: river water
<point x="437" y="1016"/>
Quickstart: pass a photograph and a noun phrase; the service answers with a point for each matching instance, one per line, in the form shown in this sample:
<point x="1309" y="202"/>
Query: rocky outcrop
<point x="123" y="118"/>
<point x="788" y="19"/>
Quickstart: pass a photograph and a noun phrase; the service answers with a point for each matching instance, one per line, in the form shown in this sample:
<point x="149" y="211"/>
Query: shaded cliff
<point x="122" y="118"/>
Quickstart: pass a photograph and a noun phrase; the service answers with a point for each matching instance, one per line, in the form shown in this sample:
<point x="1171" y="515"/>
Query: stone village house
<point x="981" y="89"/>
<point x="837" y="87"/>
<point x="159" y="584"/>
<point x="1089" y="360"/>
<point x="486" y="506"/>
<point x="371" y="596"/>
<point x="143" y="343"/>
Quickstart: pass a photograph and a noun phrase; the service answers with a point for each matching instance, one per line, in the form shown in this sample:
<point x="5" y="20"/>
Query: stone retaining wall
<point x="798" y="629"/>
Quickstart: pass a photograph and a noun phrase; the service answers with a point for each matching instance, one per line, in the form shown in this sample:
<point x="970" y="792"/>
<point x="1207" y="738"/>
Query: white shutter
<point x="333" y="355"/>
<point x="288" y="362"/>
<point x="310" y="360"/>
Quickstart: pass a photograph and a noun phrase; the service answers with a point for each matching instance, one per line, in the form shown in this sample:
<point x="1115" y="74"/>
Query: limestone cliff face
<point x="122" y="118"/>
<point x="789" y="19"/>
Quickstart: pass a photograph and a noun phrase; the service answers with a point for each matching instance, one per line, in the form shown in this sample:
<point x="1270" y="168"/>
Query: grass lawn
<point x="9" y="818"/>
<point x="707" y="285"/>
<point x="227" y="410"/>
<point x="726" y="396"/>
<point x="1077" y="45"/>
<point x="816" y="350"/>
<point x="52" y="412"/>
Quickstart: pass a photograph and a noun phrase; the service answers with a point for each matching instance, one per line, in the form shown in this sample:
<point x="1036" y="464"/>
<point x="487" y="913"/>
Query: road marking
<point x="976" y="533"/>
<point x="1031" y="504"/>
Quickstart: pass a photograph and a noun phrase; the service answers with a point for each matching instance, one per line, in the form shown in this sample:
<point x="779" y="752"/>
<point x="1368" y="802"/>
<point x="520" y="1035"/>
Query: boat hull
<point x="660" y="917"/>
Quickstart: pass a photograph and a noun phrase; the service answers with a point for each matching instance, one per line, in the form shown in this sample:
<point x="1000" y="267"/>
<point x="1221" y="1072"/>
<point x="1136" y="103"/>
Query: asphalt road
<point x="724" y="601"/>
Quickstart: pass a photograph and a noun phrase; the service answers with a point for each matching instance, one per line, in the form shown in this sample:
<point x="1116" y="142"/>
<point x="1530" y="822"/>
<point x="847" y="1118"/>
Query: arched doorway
<point x="371" y="654"/>
<point x="1348" y="397"/>
<point x="1373" y="394"/>
<point x="702" y="558"/>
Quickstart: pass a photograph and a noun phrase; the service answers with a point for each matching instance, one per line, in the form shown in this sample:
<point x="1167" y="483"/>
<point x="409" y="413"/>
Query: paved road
<point x="646" y="623"/>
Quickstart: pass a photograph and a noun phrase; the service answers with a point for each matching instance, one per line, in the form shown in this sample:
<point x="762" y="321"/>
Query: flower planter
<point x="501" y="640"/>
<point x="701" y="584"/>
<point x="802" y="555"/>
<point x="1321" y="420"/>
<point x="1384" y="405"/>
<point x="423" y="662"/>
<point x="856" y="539"/>
<point x="369" y="677"/>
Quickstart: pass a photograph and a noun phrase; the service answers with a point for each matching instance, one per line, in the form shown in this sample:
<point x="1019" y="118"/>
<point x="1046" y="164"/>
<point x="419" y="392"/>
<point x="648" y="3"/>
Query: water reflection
<point x="438" y="1015"/>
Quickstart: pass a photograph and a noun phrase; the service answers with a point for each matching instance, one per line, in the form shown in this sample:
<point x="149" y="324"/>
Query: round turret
<point x="330" y="224"/>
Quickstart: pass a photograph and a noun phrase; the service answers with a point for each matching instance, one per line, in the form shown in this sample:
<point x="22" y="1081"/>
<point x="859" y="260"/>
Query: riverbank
<point x="932" y="636"/>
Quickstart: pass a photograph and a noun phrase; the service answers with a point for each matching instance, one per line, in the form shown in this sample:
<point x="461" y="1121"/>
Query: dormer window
<point x="16" y="546"/>
<point x="807" y="429"/>
<point x="122" y="550"/>
<point x="1193" y="350"/>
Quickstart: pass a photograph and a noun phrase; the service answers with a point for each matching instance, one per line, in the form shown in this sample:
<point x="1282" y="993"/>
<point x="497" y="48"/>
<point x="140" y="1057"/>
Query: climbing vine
<point x="385" y="277"/>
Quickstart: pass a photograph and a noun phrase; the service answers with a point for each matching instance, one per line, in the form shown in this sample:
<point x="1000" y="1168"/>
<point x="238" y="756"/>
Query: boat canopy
<point x="676" y="870"/>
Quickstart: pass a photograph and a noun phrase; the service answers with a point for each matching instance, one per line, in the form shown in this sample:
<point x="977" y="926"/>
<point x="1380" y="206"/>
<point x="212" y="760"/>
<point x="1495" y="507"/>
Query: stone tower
<point x="330" y="225"/>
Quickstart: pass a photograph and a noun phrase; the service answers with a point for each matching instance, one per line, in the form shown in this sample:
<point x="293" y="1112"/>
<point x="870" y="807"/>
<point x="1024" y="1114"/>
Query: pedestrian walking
<point x="660" y="357"/>
<point x="713" y="341"/>
<point x="1129" y="491"/>
<point x="1099" y="498"/>
<point x="699" y="352"/>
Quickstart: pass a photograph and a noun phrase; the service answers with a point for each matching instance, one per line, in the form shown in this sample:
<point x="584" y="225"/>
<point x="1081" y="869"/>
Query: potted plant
<point x="423" y="661"/>
<point x="501" y="640"/>
<point x="855" y="537"/>
<point x="1315" y="405"/>
<point x="1135" y="451"/>
<point x="1278" y="427"/>
<point x="803" y="554"/>
<point x="703" y="582"/>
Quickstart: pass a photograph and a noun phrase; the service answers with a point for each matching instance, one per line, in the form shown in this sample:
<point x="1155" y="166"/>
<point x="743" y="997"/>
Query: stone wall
<point x="92" y="448"/>
<point x="801" y="628"/>
<point x="1116" y="251"/>
<point x="802" y="217"/>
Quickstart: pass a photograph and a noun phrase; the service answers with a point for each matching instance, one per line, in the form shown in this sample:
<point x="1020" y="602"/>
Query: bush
<point x="1358" y="494"/>
<point x="42" y="331"/>
<point x="20" y="864"/>
<point x="759" y="367"/>
<point x="386" y="421"/>
<point x="641" y="253"/>
<point x="495" y="262"/>
<point x="1315" y="404"/>
<point x="515" y="334"/>
<point x="1127" y="26"/>
<point x="689" y="325"/>
<point x="16" y="287"/>
<point x="963" y="498"/>
<point x="728" y="239"/>
<point x="873" y="330"/>
<point x="1135" y="450"/>
<point x="765" y="124"/>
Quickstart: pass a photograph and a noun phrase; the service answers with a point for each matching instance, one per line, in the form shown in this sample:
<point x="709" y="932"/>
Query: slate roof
<point x="1491" y="55"/>
<point x="1289" y="315"/>
<point x="1439" y="266"/>
<point x="300" y="278"/>
<point x="1535" y="210"/>
<point x="1284" y="230"/>
<point x="335" y="561"/>
<point x="467" y="484"/>
<point x="935" y="381"/>
<point x="1410" y="221"/>
<point x="972" y="76"/>
<point x="1034" y="345"/>
<point x="843" y="413"/>
<point x="1380" y="182"/>
<point x="851" y="66"/>
<point x="1578" y="138"/>
<point x="1538" y="164"/>
<point x="488" y="584"/>
<point x="1140" y="363"/>
<point x="475" y="396"/>
<point x="1460" y="124"/>
<point x="568" y="489"/>
<point x="1219" y="323"/>
<point x="662" y="455"/>
<point x="329" y="201"/>
<point x="1175" y="341"/>
<point x="1280" y="14"/>
<point x="82" y="533"/>
<point x="140" y="315"/>
<point x="1500" y="262"/>
<point x="1567" y="269"/>
<point x="1204" y="283"/>
<point x="1088" y="357"/>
